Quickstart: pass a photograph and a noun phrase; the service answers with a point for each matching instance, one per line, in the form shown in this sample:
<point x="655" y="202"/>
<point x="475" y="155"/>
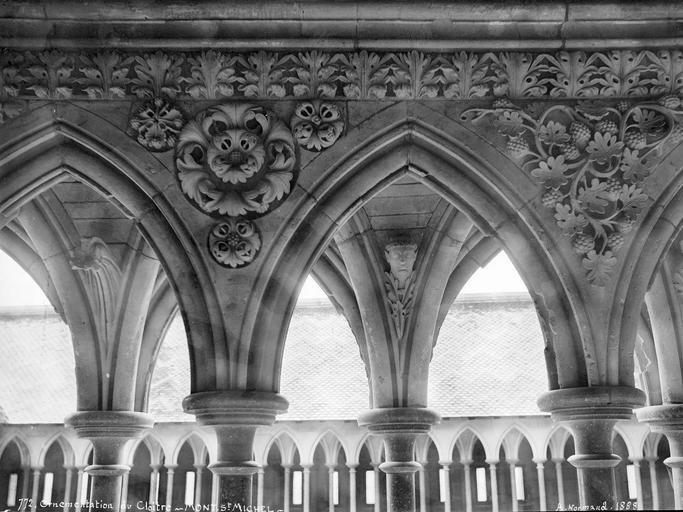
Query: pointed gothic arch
<point x="57" y="139"/>
<point x="436" y="151"/>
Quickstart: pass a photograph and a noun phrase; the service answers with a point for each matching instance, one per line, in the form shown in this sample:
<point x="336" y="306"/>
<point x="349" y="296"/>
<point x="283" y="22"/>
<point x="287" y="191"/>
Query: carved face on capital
<point x="401" y="258"/>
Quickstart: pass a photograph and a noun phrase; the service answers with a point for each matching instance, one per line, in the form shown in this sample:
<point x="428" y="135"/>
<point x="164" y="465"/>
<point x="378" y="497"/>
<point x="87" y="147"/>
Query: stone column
<point x="307" y="487"/>
<point x="154" y="484"/>
<point x="654" y="486"/>
<point x="446" y="466"/>
<point x="25" y="478"/>
<point x="467" y="464"/>
<point x="330" y="488"/>
<point x="79" y="489"/>
<point x="67" y="487"/>
<point x="590" y="414"/>
<point x="512" y="464"/>
<point x="378" y="490"/>
<point x="559" y="475"/>
<point x="170" y="474"/>
<point x="259" y="487"/>
<point x="234" y="417"/>
<point x="198" y="480"/>
<point x="352" y="487"/>
<point x="399" y="428"/>
<point x="288" y="486"/>
<point x="540" y="474"/>
<point x="124" y="490"/>
<point x="423" y="488"/>
<point x="639" y="482"/>
<point x="668" y="420"/>
<point x="34" y="490"/>
<point x="109" y="432"/>
<point x="494" y="484"/>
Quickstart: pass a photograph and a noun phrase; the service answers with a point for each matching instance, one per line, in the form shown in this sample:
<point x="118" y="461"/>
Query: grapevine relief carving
<point x="592" y="160"/>
<point x="399" y="282"/>
<point x="235" y="159"/>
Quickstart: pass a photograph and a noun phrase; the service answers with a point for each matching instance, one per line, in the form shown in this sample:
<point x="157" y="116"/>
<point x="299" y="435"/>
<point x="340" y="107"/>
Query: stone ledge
<point x="235" y="407"/>
<point x="609" y="402"/>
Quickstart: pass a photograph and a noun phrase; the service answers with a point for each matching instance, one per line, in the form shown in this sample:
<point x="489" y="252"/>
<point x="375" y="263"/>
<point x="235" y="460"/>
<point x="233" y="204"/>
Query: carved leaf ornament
<point x="234" y="243"/>
<point x="317" y="125"/>
<point x="591" y="159"/>
<point x="156" y="124"/>
<point x="235" y="159"/>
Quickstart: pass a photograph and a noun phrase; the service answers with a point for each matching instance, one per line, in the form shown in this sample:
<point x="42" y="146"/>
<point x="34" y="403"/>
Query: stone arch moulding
<point x="441" y="153"/>
<point x="39" y="147"/>
<point x="659" y="228"/>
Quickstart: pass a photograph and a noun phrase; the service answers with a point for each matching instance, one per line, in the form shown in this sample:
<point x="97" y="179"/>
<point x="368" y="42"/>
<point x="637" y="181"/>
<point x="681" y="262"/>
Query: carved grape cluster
<point x="591" y="159"/>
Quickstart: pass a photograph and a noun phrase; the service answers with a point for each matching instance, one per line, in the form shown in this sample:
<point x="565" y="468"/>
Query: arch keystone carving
<point x="235" y="242"/>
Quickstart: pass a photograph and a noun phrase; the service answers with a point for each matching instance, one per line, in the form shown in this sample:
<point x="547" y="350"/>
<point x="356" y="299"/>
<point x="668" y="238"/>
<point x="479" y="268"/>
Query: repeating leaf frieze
<point x="213" y="74"/>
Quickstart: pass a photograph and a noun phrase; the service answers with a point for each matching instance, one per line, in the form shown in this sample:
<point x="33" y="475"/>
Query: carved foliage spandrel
<point x="399" y="282"/>
<point x="49" y="74"/>
<point x="10" y="85"/>
<point x="591" y="159"/>
<point x="235" y="159"/>
<point x="105" y="75"/>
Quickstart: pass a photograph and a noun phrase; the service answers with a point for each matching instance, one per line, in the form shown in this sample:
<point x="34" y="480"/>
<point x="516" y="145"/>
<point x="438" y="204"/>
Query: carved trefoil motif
<point x="317" y="125"/>
<point x="236" y="159"/>
<point x="399" y="282"/>
<point x="235" y="242"/>
<point x="156" y="124"/>
<point x="592" y="159"/>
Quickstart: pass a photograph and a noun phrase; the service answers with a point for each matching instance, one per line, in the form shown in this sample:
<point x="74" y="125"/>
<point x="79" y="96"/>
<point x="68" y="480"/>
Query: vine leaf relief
<point x="156" y="124"/>
<point x="317" y="125"/>
<point x="234" y="242"/>
<point x="591" y="159"/>
<point x="236" y="159"/>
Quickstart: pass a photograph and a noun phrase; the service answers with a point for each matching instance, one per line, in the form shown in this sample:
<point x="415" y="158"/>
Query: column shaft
<point x="352" y="488"/>
<point x="423" y="489"/>
<point x="170" y="472"/>
<point x="654" y="485"/>
<point x="34" y="490"/>
<point x="639" y="485"/>
<point x="307" y="488"/>
<point x="199" y="476"/>
<point x="378" y="491"/>
<point x="540" y="474"/>
<point x="468" y="486"/>
<point x="25" y="477"/>
<point x="79" y="489"/>
<point x="560" y="483"/>
<point x="513" y="486"/>
<point x="447" y="487"/>
<point x="67" y="488"/>
<point x="259" y="487"/>
<point x="494" y="487"/>
<point x="287" y="490"/>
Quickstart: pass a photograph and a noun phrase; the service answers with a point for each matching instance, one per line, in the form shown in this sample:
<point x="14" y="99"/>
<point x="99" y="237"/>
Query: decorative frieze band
<point x="55" y="74"/>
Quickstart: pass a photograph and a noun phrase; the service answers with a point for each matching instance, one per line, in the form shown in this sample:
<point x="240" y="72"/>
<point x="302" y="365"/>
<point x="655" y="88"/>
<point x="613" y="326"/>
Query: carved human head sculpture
<point x="401" y="257"/>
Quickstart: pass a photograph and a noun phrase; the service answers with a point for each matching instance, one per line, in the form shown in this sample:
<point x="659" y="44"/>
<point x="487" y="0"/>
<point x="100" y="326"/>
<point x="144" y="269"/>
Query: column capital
<point x="109" y="424"/>
<point x="662" y="418"/>
<point x="171" y="467"/>
<point x="446" y="464"/>
<point x="539" y="460"/>
<point x="235" y="407"/>
<point x="595" y="402"/>
<point x="417" y="420"/>
<point x="492" y="462"/>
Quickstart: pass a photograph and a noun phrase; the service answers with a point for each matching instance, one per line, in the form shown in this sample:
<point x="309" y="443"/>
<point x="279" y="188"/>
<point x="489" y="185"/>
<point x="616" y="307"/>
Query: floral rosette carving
<point x="235" y="242"/>
<point x="156" y="124"/>
<point x="591" y="159"/>
<point x="317" y="125"/>
<point x="236" y="159"/>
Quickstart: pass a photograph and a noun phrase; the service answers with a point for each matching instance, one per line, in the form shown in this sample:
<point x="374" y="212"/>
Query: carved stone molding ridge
<point x="591" y="158"/>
